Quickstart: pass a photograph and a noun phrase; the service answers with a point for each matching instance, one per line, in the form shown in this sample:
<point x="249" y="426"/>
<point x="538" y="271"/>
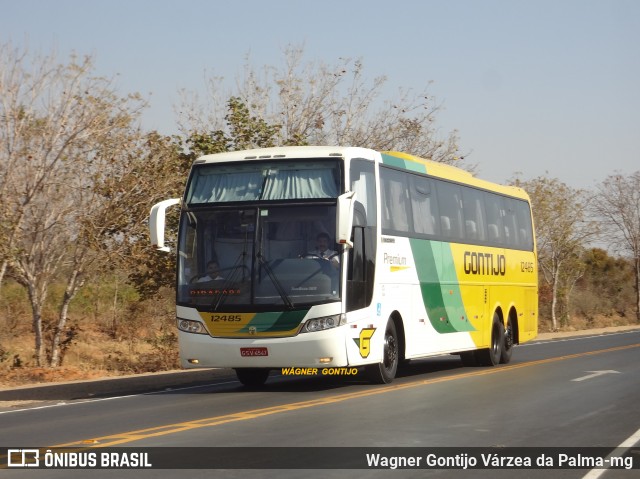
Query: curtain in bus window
<point x="422" y="206"/>
<point x="510" y="223"/>
<point x="450" y="206"/>
<point x="474" y="218"/>
<point x="524" y="233"/>
<point x="395" y="193"/>
<point x="226" y="187"/>
<point x="495" y="214"/>
<point x="299" y="184"/>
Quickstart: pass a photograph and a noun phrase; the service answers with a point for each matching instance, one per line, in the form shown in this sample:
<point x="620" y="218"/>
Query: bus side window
<point x="523" y="220"/>
<point x="397" y="217"/>
<point x="471" y="230"/>
<point x="494" y="232"/>
<point x="474" y="215"/>
<point x="495" y="223"/>
<point x="445" y="226"/>
<point x="450" y="205"/>
<point x="363" y="182"/>
<point x="423" y="206"/>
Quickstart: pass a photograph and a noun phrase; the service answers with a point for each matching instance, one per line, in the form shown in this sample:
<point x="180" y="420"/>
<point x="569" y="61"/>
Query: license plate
<point x="253" y="352"/>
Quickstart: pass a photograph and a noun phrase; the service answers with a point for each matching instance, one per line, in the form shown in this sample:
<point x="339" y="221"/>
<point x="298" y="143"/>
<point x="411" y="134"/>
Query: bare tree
<point x="561" y="231"/>
<point x="617" y="203"/>
<point x="316" y="103"/>
<point x="55" y="121"/>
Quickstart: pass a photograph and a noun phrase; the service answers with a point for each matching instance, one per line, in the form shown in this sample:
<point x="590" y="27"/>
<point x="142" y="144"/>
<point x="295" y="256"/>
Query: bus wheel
<point x="252" y="377"/>
<point x="491" y="356"/>
<point x="385" y="372"/>
<point x="507" y="347"/>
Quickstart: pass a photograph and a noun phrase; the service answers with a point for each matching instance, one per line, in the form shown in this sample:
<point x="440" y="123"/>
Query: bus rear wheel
<point x="385" y="371"/>
<point x="252" y="377"/>
<point x="491" y="356"/>
<point x="507" y="348"/>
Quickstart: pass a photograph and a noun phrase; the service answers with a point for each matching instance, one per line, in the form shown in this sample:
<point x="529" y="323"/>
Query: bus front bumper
<point x="317" y="349"/>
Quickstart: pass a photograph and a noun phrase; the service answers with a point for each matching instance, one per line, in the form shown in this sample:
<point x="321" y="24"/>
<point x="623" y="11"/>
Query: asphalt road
<point x="574" y="392"/>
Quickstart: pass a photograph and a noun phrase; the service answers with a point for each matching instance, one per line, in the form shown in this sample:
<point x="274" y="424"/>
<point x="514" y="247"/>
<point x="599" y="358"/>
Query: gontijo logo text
<point x="484" y="263"/>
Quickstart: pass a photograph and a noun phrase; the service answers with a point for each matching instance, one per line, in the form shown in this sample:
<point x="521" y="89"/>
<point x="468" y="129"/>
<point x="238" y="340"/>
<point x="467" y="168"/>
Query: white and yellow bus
<point x="344" y="259"/>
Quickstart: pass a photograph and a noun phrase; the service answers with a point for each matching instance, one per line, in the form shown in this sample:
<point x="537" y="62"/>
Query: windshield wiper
<point x="239" y="264"/>
<point x="283" y="294"/>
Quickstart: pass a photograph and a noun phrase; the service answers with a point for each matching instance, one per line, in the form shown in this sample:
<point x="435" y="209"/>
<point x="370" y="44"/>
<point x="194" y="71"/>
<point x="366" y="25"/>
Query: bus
<point x="347" y="259"/>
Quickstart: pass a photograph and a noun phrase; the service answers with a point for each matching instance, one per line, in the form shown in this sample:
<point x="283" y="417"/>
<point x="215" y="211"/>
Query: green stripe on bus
<point x="276" y="321"/>
<point x="404" y="164"/>
<point x="438" y="284"/>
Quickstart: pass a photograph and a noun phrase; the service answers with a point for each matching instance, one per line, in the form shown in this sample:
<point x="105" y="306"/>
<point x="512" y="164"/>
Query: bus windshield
<point x="258" y="258"/>
<point x="263" y="180"/>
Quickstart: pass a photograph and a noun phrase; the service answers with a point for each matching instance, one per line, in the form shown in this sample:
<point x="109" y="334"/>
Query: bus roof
<point x="283" y="152"/>
<point x="447" y="172"/>
<point x="392" y="158"/>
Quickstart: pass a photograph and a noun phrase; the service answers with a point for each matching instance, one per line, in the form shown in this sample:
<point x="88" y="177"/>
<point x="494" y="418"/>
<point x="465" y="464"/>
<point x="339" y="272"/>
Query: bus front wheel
<point x="252" y="377"/>
<point x="385" y="371"/>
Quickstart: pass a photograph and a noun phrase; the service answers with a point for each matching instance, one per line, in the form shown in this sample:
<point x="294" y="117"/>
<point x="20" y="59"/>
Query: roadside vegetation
<point x="81" y="292"/>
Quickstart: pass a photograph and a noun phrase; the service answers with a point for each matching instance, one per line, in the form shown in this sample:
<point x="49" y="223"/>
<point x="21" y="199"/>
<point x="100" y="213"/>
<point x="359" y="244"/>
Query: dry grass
<point x="134" y="338"/>
<point x="578" y="323"/>
<point x="94" y="355"/>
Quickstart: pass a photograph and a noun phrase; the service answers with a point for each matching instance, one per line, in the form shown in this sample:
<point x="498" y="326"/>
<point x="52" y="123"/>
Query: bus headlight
<point x="189" y="326"/>
<point x="327" y="322"/>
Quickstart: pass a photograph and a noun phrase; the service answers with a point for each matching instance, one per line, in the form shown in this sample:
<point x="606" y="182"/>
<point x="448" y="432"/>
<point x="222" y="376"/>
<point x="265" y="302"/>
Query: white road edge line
<point x="537" y="342"/>
<point x="621" y="449"/>
<point x="85" y="401"/>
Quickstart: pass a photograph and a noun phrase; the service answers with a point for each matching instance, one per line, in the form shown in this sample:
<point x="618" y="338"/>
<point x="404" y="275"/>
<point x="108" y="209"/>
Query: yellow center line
<point x="126" y="437"/>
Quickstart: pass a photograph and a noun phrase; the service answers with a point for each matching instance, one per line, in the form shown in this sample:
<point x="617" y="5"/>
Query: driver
<point x="212" y="273"/>
<point x="322" y="250"/>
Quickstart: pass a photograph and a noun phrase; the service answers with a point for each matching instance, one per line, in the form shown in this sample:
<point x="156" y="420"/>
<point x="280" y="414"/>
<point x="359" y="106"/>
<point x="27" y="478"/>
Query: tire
<point x="492" y="355"/>
<point x="507" y="347"/>
<point x="385" y="372"/>
<point x="252" y="377"/>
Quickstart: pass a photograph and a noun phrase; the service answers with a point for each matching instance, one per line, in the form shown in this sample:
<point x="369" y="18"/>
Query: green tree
<point x="241" y="131"/>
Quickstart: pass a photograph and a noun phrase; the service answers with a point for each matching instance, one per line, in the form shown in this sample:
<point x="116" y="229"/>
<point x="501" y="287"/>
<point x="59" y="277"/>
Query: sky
<point x="538" y="87"/>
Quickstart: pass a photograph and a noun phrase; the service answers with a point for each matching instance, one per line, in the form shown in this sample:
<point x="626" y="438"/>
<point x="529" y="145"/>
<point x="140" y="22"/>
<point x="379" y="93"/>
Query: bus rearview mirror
<point x="157" y="219"/>
<point x="344" y="218"/>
